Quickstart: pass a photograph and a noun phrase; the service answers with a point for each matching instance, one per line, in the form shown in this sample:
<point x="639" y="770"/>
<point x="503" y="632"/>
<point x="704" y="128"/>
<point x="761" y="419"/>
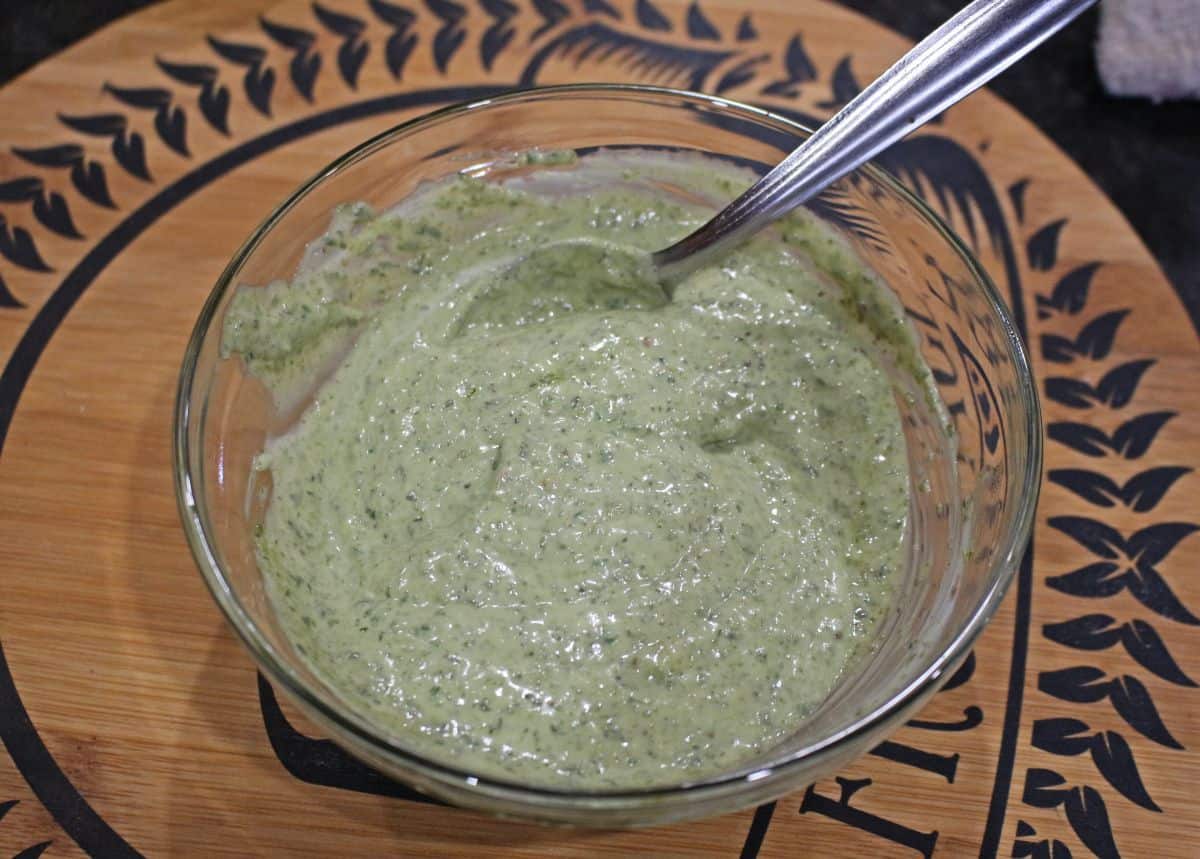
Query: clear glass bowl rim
<point x="196" y="528"/>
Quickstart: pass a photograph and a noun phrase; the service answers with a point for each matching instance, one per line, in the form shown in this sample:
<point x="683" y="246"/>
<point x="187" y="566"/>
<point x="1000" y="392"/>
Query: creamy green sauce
<point x="541" y="522"/>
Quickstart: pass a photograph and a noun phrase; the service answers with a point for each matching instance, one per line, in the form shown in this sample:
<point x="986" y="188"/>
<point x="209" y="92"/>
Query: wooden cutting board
<point x="132" y="165"/>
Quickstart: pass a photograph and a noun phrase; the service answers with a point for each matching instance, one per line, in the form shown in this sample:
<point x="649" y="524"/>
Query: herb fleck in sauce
<point x="543" y="524"/>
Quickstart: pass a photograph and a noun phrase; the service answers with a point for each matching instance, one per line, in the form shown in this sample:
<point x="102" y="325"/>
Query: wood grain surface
<point x="131" y="167"/>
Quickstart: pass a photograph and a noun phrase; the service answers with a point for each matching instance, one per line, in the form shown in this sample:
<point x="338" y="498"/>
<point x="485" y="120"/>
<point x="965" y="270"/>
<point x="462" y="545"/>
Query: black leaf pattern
<point x="649" y="16"/>
<point x="1094" y="536"/>
<point x="1042" y="248"/>
<point x="397" y="17"/>
<point x="293" y="38"/>
<point x="690" y="66"/>
<point x="1117" y="386"/>
<point x="1109" y="750"/>
<point x="1061" y="736"/>
<point x="1140" y="640"/>
<point x="350" y="57"/>
<point x="143" y="98"/>
<point x="1043" y="788"/>
<point x="400" y="44"/>
<point x="1084" y="438"/>
<point x="799" y="67"/>
<point x="98" y="125"/>
<point x="942" y="172"/>
<point x="1102" y="579"/>
<point x="214" y="98"/>
<point x="398" y="49"/>
<point x="500" y="33"/>
<point x="1095" y="341"/>
<point x="1151" y="545"/>
<point x="127" y="146"/>
<point x="87" y="176"/>
<point x="1044" y="849"/>
<point x="699" y="27"/>
<point x="495" y="39"/>
<point x="1132" y="701"/>
<point x="187" y="73"/>
<point x="214" y="107"/>
<point x="237" y="53"/>
<point x="7" y="299"/>
<point x="552" y="12"/>
<point x="170" y="123"/>
<point x="1081" y="684"/>
<point x="259" y="81"/>
<point x="601" y="7"/>
<point x="450" y="35"/>
<point x="89" y="179"/>
<point x="49" y="207"/>
<point x="745" y="29"/>
<point x="1146" y="646"/>
<point x="1115" y="389"/>
<point x="1114" y="759"/>
<point x="20" y="190"/>
<point x="1141" y="493"/>
<point x="1088" y="816"/>
<point x="1129" y="697"/>
<point x="1106" y="579"/>
<point x="51" y="211"/>
<point x="832" y="205"/>
<point x="17" y="246"/>
<point x="1151" y="590"/>
<point x="352" y="53"/>
<point x="1088" y="485"/>
<point x="1070" y="293"/>
<point x="1016" y="194"/>
<point x="845" y="86"/>
<point x="1136" y="571"/>
<point x="303" y="70"/>
<point x="305" y="64"/>
<point x="339" y="23"/>
<point x="7" y="806"/>
<point x="1131" y="439"/>
<point x="742" y="73"/>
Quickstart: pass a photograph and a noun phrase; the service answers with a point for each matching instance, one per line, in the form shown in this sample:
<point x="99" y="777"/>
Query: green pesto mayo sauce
<point x="541" y="523"/>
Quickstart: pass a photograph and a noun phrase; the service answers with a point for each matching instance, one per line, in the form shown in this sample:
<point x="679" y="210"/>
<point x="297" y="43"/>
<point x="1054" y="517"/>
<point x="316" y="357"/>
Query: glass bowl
<point x="974" y="490"/>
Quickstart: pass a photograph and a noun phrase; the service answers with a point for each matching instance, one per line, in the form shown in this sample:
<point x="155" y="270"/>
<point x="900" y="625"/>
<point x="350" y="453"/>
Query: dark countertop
<point x="1146" y="157"/>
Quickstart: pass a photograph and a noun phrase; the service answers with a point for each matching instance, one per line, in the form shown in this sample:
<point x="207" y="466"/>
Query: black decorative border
<point x="647" y="40"/>
<point x="1121" y="563"/>
<point x="50" y="784"/>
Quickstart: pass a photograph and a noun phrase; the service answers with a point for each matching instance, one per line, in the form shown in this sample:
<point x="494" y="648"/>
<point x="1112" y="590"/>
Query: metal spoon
<point x="974" y="46"/>
<point x="953" y="61"/>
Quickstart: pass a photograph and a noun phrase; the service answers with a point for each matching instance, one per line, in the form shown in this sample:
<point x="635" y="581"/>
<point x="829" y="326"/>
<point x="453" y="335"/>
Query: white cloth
<point x="1150" y="48"/>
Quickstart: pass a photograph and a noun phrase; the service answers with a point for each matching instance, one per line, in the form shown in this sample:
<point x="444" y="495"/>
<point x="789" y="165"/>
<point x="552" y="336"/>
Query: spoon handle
<point x="967" y="51"/>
